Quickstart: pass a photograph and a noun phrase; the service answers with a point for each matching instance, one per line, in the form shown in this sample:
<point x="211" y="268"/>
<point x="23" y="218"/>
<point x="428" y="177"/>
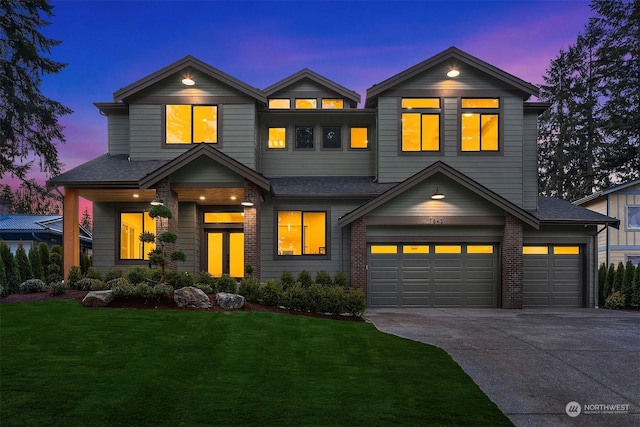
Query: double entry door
<point x="225" y="252"/>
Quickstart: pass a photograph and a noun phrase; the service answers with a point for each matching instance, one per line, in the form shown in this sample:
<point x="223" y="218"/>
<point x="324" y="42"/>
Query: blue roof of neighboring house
<point x="36" y="223"/>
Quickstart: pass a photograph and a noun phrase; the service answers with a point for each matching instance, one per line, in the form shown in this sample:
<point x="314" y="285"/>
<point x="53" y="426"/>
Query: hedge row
<point x="619" y="287"/>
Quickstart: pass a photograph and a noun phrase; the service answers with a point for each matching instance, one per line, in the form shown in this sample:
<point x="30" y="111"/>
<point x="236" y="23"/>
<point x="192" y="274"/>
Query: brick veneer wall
<point x="359" y="254"/>
<point x="252" y="227"/>
<point x="170" y="199"/>
<point x="512" y="263"/>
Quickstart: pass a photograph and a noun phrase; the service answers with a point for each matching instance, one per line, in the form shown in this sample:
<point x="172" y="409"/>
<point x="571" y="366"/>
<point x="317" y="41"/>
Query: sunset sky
<point x="110" y="44"/>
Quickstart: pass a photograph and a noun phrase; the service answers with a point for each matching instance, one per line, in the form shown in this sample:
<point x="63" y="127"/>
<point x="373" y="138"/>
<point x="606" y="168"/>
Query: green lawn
<point x="62" y="364"/>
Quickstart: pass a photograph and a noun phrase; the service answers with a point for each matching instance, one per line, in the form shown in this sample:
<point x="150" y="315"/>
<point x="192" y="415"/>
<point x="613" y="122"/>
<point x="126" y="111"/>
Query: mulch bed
<point x="164" y="304"/>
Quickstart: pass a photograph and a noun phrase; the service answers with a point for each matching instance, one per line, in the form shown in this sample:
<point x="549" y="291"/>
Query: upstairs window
<point x="479" y="124"/>
<point x="302" y="233"/>
<point x="633" y="217"/>
<point x="277" y="138"/>
<point x="332" y="103"/>
<point x="359" y="138"/>
<point x="306" y="104"/>
<point x="188" y="124"/>
<point x="304" y="137"/>
<point x="132" y="224"/>
<point x="332" y="137"/>
<point x="279" y="104"/>
<point x="420" y="124"/>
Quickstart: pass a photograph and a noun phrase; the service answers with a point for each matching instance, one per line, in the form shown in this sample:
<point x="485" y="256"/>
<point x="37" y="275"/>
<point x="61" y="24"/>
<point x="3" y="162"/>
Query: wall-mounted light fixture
<point x="157" y="201"/>
<point x="453" y="72"/>
<point x="437" y="195"/>
<point x="188" y="81"/>
<point x="247" y="203"/>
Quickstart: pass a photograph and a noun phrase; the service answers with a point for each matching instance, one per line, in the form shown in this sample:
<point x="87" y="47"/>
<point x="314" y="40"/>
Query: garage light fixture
<point x="188" y="81"/>
<point x="247" y="203"/>
<point x="453" y="72"/>
<point x="157" y="201"/>
<point x="437" y="195"/>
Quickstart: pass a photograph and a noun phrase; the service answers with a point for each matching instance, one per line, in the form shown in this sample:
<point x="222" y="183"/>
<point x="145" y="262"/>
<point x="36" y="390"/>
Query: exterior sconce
<point x="247" y="203"/>
<point x="188" y="81"/>
<point x="437" y="195"/>
<point x="453" y="72"/>
<point x="157" y="202"/>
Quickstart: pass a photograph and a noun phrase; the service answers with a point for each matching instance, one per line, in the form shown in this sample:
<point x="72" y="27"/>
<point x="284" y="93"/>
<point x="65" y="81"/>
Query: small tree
<point x="12" y="270"/>
<point x="602" y="280"/>
<point x="617" y="277"/>
<point x="36" y="263"/>
<point x="24" y="265"/>
<point x="635" y="288"/>
<point x="159" y="255"/>
<point x="43" y="248"/>
<point x="627" y="278"/>
<point x="608" y="285"/>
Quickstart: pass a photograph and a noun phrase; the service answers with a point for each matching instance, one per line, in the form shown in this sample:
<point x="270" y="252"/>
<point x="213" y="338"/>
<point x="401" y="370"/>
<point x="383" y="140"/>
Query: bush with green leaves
<point x="121" y="288"/>
<point x="94" y="273"/>
<point x="118" y="281"/>
<point x="36" y="263"/>
<point x="272" y="293"/>
<point x="143" y="290"/>
<point x="87" y="284"/>
<point x="323" y="278"/>
<point x="608" y="284"/>
<point x="86" y="261"/>
<point x="296" y="298"/>
<point x="32" y="286"/>
<point x="53" y="270"/>
<point x="204" y="287"/>
<point x="315" y="298"/>
<point x="43" y="249"/>
<point x="355" y="302"/>
<point x="170" y="277"/>
<point x="162" y="291"/>
<point x="58" y="288"/>
<point x="250" y="289"/>
<point x="138" y="274"/>
<point x="3" y="275"/>
<point x="627" y="279"/>
<point x="159" y="256"/>
<point x="305" y="279"/>
<point x="206" y="278"/>
<point x="24" y="266"/>
<point x="226" y="283"/>
<point x="75" y="274"/>
<point x="113" y="273"/>
<point x="341" y="279"/>
<point x="12" y="270"/>
<point x="287" y="280"/>
<point x="635" y="287"/>
<point x="184" y="279"/>
<point x="615" y="301"/>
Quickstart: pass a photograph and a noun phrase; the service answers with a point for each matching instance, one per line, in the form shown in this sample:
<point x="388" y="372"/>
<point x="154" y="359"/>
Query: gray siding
<point x="206" y="170"/>
<point x="530" y="161"/>
<point x="339" y="251"/>
<point x="118" y="128"/>
<point x="501" y="172"/>
<point x="104" y="236"/>
<point x="189" y="237"/>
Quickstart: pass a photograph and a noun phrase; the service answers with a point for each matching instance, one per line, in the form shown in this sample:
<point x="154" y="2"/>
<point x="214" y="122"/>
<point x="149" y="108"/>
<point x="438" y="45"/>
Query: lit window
<point x="304" y="136"/>
<point x="384" y="249"/>
<point x="331" y="137"/>
<point x="448" y="249"/>
<point x="277" y="138"/>
<point x="359" y="138"/>
<point x="566" y="250"/>
<point x="479" y="124"/>
<point x="223" y="217"/>
<point x="479" y="249"/>
<point x="132" y="224"/>
<point x="302" y="233"/>
<point x="535" y="250"/>
<point x="186" y="124"/>
<point x="305" y="104"/>
<point x="633" y="217"/>
<point x="332" y="103"/>
<point x="279" y="104"/>
<point x="421" y="129"/>
<point x="415" y="249"/>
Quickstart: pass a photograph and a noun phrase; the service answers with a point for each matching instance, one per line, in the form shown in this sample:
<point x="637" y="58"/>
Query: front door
<point x="225" y="252"/>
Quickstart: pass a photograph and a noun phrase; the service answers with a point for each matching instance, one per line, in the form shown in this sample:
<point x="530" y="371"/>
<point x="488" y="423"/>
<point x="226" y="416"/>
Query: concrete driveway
<point x="534" y="362"/>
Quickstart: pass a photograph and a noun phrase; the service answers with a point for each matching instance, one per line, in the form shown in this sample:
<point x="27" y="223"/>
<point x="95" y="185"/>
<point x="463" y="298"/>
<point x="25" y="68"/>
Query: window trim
<point x="627" y="225"/>
<point x="368" y="147"/>
<point x="286" y="138"/>
<point x="422" y="111"/>
<point x="322" y="147"/>
<point x="303" y="209"/>
<point x="218" y="143"/>
<point x="295" y="138"/>
<point x="119" y="210"/>
<point x="495" y="111"/>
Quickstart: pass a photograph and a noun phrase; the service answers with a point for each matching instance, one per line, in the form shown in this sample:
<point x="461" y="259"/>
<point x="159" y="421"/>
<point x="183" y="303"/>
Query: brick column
<point x="252" y="227"/>
<point x="170" y="199"/>
<point x="359" y="254"/>
<point x="512" y="263"/>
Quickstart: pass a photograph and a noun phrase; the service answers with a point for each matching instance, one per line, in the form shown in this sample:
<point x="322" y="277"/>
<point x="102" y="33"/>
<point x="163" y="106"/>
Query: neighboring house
<point x="620" y="244"/>
<point x="427" y="196"/>
<point x="34" y="229"/>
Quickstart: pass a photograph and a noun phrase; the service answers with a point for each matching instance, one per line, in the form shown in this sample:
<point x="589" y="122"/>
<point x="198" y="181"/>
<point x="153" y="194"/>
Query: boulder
<point x="98" y="299"/>
<point x="191" y="297"/>
<point x="231" y="301"/>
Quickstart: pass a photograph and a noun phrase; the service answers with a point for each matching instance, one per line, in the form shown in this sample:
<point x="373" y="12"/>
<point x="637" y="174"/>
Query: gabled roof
<point x="204" y="150"/>
<point x="454" y="56"/>
<point x="316" y="78"/>
<point x="605" y="192"/>
<point x="555" y="211"/>
<point x="448" y="171"/>
<point x="107" y="171"/>
<point x="188" y="62"/>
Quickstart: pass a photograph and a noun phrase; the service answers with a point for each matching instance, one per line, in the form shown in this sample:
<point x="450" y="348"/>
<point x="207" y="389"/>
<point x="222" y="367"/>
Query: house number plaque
<point x="436" y="220"/>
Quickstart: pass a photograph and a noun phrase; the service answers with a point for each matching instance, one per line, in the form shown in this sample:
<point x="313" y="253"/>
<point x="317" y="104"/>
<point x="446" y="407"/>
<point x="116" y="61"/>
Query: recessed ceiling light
<point x="135" y="196"/>
<point x="201" y="197"/>
<point x="233" y="197"/>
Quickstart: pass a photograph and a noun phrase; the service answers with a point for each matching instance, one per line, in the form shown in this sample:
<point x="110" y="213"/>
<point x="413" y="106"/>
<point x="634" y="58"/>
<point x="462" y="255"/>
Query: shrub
<point x="635" y="288"/>
<point x="74" y="276"/>
<point x="12" y="270"/>
<point x="116" y="282"/>
<point x="206" y="278"/>
<point x="98" y="285"/>
<point x="602" y="278"/>
<point x="248" y="270"/>
<point x="608" y="284"/>
<point x="162" y="291"/>
<point x="122" y="288"/>
<point x="32" y="285"/>
<point x="615" y="301"/>
<point x="323" y="278"/>
<point x="334" y="300"/>
<point x="170" y="277"/>
<point x="36" y="263"/>
<point x="617" y="277"/>
<point x="94" y="273"/>
<point x="43" y="249"/>
<point x="627" y="278"/>
<point x="341" y="279"/>
<point x="296" y="298"/>
<point x="85" y="262"/>
<point x="355" y="302"/>
<point x="24" y="266"/>
<point x="184" y="279"/>
<point x="304" y="277"/>
<point x="143" y="290"/>
<point x="315" y="298"/>
<point x="287" y="280"/>
<point x="3" y="274"/>
<point x="113" y="273"/>
<point x="138" y="275"/>
<point x="58" y="288"/>
<point x="250" y="289"/>
<point x="227" y="283"/>
<point x="204" y="287"/>
<point x="272" y="293"/>
<point x="88" y="284"/>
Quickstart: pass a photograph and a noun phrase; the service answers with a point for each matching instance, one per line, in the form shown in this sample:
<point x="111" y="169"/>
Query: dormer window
<point x="306" y="104"/>
<point x="328" y="104"/>
<point x="279" y="104"/>
<point x="479" y="124"/>
<point x="189" y="124"/>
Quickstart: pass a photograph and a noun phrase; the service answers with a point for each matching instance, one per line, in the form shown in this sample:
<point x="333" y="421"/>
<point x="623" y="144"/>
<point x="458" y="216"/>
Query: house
<point x="622" y="201"/>
<point x="426" y="196"/>
<point x="34" y="229"/>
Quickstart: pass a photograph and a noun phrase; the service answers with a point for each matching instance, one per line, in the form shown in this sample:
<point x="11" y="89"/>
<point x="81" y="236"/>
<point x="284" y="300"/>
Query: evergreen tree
<point x="24" y="266"/>
<point x="28" y="120"/>
<point x="617" y="277"/>
<point x="627" y="278"/>
<point x="43" y="249"/>
<point x="608" y="287"/>
<point x="86" y="222"/>
<point x="11" y="269"/>
<point x="36" y="263"/>
<point x="635" y="287"/>
<point x="602" y="279"/>
<point x="3" y="277"/>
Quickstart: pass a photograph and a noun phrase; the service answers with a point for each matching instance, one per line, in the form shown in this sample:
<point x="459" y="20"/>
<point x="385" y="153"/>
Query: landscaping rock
<point x="231" y="301"/>
<point x="191" y="297"/>
<point x="98" y="299"/>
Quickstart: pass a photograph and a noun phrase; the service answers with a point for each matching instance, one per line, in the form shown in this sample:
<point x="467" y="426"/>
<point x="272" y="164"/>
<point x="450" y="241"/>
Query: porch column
<point x="252" y="228"/>
<point x="359" y="254"/>
<point x="70" y="230"/>
<point x="512" y="263"/>
<point x="170" y="199"/>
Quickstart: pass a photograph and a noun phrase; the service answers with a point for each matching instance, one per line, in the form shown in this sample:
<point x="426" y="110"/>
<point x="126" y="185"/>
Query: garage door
<point x="552" y="276"/>
<point x="430" y="275"/>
